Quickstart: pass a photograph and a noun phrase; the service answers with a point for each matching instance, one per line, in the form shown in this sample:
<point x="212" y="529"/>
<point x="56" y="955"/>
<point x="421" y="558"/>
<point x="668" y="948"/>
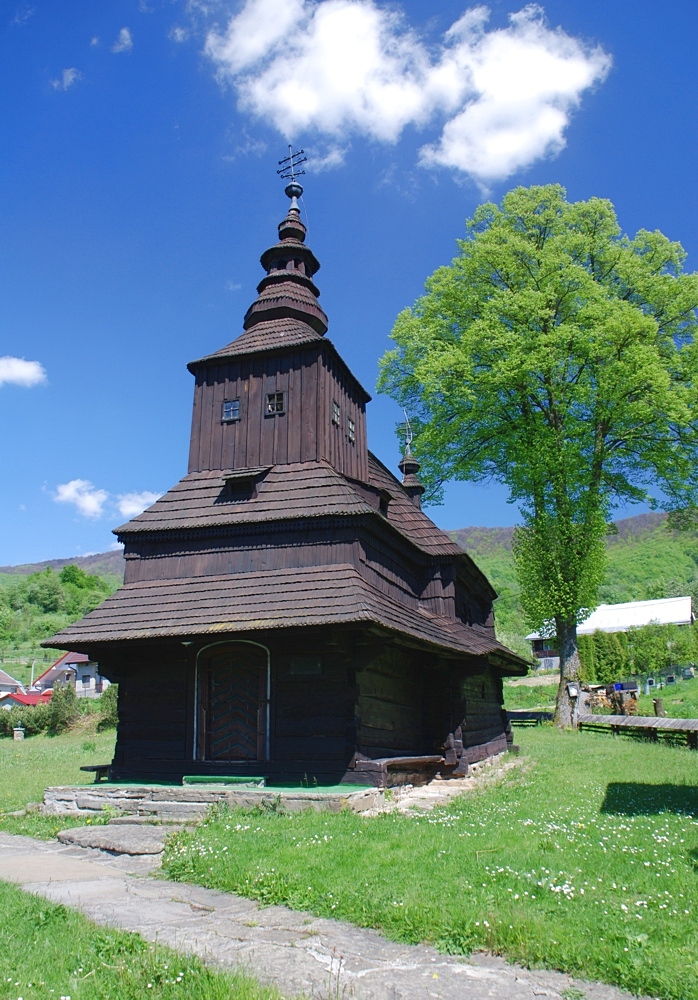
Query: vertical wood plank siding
<point x="310" y="380"/>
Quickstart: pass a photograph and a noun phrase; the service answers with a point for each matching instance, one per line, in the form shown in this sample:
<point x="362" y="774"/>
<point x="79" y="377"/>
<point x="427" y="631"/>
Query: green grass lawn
<point x="51" y="952"/>
<point x="584" y="858"/>
<point x="540" y="696"/>
<point x="28" y="766"/>
<point x="680" y="700"/>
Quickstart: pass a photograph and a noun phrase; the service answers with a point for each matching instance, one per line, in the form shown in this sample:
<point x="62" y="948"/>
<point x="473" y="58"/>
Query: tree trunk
<point x="565" y="715"/>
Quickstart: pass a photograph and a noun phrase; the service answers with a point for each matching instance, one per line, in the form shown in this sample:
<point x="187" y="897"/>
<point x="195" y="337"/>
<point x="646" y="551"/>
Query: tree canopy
<point x="34" y="606"/>
<point x="555" y="355"/>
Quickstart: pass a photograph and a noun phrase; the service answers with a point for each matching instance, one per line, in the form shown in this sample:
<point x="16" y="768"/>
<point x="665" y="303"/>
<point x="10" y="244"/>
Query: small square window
<point x="230" y="410"/>
<point x="275" y="403"/>
<point x="351" y="431"/>
<point x="336" y="413"/>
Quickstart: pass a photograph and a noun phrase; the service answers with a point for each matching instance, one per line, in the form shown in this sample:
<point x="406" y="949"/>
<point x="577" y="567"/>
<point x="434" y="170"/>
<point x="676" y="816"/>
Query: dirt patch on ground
<point x="534" y="680"/>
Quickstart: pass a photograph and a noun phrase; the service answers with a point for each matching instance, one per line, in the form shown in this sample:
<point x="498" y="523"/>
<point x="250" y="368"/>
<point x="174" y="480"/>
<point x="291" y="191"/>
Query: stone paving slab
<point x="120" y="839"/>
<point x="299" y="953"/>
<point x="24" y="869"/>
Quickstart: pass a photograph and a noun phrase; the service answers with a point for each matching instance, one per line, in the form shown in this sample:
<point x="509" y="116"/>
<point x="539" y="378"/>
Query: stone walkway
<point x="297" y="952"/>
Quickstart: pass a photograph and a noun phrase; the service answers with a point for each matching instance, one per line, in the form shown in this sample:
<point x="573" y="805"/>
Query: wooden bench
<point x="649" y="726"/>
<point x="100" y="771"/>
<point x="520" y="717"/>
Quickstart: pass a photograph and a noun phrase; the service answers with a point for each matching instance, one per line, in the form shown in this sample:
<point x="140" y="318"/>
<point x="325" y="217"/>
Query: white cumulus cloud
<point x="91" y="501"/>
<point x="124" y="42"/>
<point x="179" y="34"/>
<point x="499" y="98"/>
<point x="88" y="500"/>
<point x="67" y="78"/>
<point x="130" y="504"/>
<point x="18" y="371"/>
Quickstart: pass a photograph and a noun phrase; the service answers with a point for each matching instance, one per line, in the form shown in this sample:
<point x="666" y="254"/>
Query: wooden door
<point x="233" y="703"/>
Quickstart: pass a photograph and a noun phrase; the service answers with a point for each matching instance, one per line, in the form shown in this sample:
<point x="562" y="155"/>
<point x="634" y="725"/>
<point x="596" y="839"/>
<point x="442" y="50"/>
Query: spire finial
<point x="409" y="467"/>
<point x="289" y="171"/>
<point x="408" y="434"/>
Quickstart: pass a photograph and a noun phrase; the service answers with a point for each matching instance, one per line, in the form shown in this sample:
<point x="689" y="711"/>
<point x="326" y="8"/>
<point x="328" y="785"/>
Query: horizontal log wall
<point x="155" y="708"/>
<point x="482" y="708"/>
<point x="389" y="706"/>
<point x="313" y="705"/>
<point x="329" y="701"/>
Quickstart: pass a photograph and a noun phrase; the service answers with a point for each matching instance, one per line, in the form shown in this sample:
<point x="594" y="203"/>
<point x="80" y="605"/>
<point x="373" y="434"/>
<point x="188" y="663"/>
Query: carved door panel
<point x="233" y="703"/>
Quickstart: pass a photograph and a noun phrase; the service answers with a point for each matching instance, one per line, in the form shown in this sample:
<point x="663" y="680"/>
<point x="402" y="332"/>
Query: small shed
<point x="288" y="609"/>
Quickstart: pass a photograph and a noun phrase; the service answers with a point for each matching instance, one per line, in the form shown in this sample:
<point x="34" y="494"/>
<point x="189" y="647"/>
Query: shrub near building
<point x="610" y="656"/>
<point x="61" y="713"/>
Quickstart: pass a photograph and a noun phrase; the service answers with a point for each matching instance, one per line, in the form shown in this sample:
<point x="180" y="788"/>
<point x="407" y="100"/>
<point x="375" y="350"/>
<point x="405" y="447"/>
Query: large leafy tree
<point x="555" y="355"/>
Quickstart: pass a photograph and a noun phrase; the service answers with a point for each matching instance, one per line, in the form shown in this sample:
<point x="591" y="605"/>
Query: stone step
<point x="119" y="839"/>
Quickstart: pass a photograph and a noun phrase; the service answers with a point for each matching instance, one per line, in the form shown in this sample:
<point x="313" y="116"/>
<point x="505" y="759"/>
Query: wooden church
<point x="288" y="610"/>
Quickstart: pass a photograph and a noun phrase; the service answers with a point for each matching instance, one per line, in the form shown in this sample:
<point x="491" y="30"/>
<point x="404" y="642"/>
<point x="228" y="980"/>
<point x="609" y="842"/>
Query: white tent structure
<point x="618" y="618"/>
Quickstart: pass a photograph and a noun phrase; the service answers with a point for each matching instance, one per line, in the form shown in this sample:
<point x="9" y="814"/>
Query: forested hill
<point x="106" y="564"/>
<point x="645" y="560"/>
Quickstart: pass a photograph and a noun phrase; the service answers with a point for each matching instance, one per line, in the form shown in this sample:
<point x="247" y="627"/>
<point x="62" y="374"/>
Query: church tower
<point x="280" y="393"/>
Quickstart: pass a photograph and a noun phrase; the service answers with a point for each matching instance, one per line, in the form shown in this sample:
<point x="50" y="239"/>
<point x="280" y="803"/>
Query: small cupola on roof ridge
<point x="409" y="467"/>
<point x="288" y="290"/>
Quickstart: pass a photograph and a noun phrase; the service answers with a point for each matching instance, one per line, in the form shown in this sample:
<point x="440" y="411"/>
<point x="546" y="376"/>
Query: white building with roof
<point x="617" y="618"/>
<point x="77" y="669"/>
<point x="9" y="685"/>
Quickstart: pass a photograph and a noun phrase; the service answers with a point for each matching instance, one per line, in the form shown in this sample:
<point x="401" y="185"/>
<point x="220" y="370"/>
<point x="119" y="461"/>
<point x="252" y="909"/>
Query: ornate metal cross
<point x="289" y="165"/>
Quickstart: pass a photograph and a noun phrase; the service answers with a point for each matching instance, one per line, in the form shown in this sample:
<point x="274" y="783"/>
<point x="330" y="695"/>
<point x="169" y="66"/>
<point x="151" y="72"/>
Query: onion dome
<point x="409" y="467"/>
<point x="288" y="290"/>
<point x="286" y="312"/>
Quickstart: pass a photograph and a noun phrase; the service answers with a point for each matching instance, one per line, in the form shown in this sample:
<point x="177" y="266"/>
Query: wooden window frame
<point x="351" y="431"/>
<point x="336" y="413"/>
<point x="271" y="407"/>
<point x="232" y="417"/>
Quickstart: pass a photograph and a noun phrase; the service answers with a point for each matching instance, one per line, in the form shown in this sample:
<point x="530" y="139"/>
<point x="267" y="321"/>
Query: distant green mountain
<point x="109" y="565"/>
<point x="646" y="560"/>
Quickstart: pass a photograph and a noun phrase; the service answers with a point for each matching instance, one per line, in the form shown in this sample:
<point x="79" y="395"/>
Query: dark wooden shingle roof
<point x="311" y="596"/>
<point x="409" y="519"/>
<point x="299" y="490"/>
<point x="270" y="335"/>
<point x="304" y="489"/>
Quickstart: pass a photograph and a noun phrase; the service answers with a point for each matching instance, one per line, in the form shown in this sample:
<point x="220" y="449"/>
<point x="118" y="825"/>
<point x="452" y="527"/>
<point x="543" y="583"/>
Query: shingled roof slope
<point x="328" y="595"/>
<point x="302" y="489"/>
<point x="409" y="519"/>
<point x="269" y="335"/>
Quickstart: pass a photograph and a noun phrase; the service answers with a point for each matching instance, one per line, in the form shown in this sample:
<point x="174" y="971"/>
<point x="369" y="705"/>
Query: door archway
<point x="233" y="702"/>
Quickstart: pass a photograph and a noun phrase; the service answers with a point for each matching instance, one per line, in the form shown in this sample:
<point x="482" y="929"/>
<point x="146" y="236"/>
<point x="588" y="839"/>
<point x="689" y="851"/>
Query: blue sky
<point x="138" y="189"/>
